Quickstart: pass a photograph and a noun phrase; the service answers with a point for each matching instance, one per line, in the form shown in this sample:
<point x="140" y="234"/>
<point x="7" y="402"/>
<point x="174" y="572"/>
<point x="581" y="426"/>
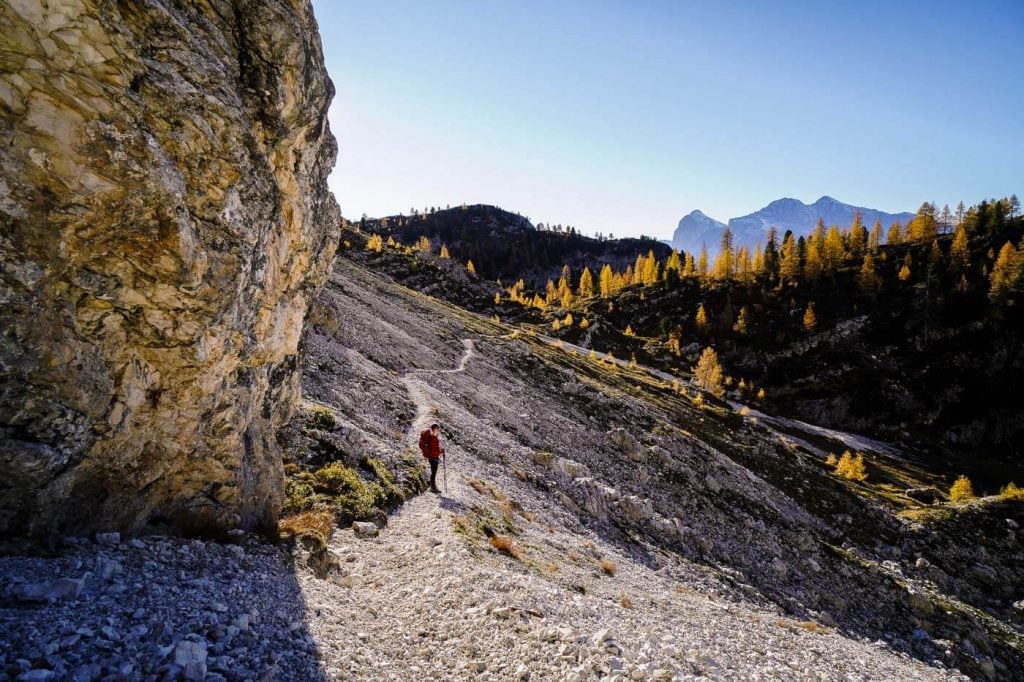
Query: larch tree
<point x="867" y="278"/>
<point x="744" y="268"/>
<point x="858" y="240"/>
<point x="895" y="234"/>
<point x="1006" y="273"/>
<point x="814" y="263"/>
<point x="959" y="250"/>
<point x="650" y="271"/>
<point x="689" y="269"/>
<point x="905" y="271"/>
<point x="875" y="237"/>
<point x="724" y="265"/>
<point x="945" y="220"/>
<point x="758" y="265"/>
<point x="471" y="267"/>
<point x="586" y="288"/>
<point x="444" y="252"/>
<point x="961" y="490"/>
<point x="789" y="265"/>
<point x="638" y="270"/>
<point x="702" y="262"/>
<point x="810" y="319"/>
<point x="606" y="281"/>
<point x="923" y="225"/>
<point x="708" y="372"/>
<point x="834" y="251"/>
<point x="673" y="264"/>
<point x="961" y="211"/>
<point x="701" y="319"/>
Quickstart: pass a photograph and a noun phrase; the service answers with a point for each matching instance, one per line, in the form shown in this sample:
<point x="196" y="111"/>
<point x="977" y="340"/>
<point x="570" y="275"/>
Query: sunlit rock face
<point x="164" y="223"/>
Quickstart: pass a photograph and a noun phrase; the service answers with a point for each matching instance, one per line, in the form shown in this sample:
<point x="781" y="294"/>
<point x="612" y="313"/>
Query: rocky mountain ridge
<point x="696" y="229"/>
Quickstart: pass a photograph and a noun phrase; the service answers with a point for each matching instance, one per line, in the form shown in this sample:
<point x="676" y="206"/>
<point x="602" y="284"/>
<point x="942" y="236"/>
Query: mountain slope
<point x="506" y="246"/>
<point x="656" y="537"/>
<point x="616" y="458"/>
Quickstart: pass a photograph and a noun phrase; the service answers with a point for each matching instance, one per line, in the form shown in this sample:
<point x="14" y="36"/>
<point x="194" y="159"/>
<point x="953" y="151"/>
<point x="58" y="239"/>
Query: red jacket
<point x="430" y="445"/>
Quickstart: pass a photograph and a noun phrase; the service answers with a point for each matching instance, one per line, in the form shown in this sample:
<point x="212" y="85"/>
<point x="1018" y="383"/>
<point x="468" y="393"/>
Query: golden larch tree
<point x="810" y="320"/>
<point x="708" y="372"/>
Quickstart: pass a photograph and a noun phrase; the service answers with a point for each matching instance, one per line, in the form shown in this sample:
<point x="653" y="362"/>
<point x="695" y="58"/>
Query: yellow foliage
<point x="708" y="372"/>
<point x="471" y="267"/>
<point x="852" y="468"/>
<point x="810" y="320"/>
<point x="961" y="490"/>
<point x="374" y="243"/>
<point x="1011" y="492"/>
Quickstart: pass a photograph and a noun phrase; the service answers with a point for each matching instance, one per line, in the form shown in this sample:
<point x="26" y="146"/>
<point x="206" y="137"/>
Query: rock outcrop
<point x="164" y="223"/>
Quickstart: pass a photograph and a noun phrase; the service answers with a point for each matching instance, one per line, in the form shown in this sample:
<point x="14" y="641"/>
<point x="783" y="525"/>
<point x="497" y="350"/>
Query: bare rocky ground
<point x="644" y="536"/>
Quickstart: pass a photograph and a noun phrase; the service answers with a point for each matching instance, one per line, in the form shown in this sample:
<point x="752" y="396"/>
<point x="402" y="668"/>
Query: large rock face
<point x="165" y="222"/>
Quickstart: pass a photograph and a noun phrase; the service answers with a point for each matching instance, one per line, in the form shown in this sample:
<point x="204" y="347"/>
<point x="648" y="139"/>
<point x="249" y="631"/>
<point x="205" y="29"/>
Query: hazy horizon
<point x="622" y="119"/>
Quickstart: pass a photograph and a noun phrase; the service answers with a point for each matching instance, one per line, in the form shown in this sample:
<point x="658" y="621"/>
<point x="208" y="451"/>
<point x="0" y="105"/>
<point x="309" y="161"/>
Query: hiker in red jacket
<point x="430" y="446"/>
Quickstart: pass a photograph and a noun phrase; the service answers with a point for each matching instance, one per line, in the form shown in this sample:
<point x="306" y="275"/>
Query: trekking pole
<point x="444" y="464"/>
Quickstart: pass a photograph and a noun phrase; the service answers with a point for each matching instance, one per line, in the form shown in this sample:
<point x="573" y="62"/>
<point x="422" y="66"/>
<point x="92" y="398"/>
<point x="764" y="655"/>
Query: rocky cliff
<point x="165" y="222"/>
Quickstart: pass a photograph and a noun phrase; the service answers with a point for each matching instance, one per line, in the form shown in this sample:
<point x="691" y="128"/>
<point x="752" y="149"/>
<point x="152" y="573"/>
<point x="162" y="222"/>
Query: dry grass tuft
<point x="573" y="557"/>
<point x="317" y="525"/>
<point x="477" y="486"/>
<point x="506" y="545"/>
<point x="608" y="566"/>
<point x="625" y="602"/>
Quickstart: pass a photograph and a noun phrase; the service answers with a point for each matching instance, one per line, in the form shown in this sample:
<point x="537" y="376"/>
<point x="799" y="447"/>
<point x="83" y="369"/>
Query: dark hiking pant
<point x="433" y="471"/>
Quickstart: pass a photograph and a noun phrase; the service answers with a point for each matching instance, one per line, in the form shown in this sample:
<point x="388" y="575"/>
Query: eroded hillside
<point x="597" y="522"/>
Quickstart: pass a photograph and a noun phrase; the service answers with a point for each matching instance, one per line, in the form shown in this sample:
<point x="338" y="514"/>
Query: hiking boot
<point x="435" y="489"/>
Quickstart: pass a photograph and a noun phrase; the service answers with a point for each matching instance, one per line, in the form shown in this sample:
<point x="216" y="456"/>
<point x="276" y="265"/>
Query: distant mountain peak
<point x="783" y="214"/>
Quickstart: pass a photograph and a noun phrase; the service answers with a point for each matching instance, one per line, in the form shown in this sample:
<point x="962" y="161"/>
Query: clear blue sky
<point x="623" y="116"/>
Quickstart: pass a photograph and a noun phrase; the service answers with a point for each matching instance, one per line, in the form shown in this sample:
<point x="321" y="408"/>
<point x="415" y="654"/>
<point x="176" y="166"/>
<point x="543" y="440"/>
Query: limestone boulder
<point x="164" y="224"/>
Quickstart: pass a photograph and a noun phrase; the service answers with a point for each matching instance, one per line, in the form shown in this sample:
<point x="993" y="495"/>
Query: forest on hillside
<point x="908" y="333"/>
